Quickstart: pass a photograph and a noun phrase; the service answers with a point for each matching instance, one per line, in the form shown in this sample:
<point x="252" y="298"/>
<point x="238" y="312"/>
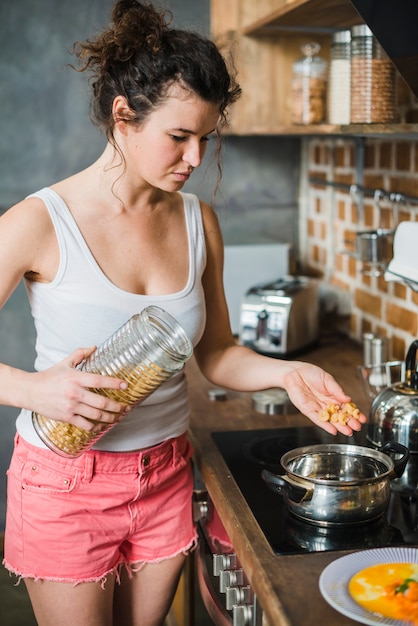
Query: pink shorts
<point x="76" y="520"/>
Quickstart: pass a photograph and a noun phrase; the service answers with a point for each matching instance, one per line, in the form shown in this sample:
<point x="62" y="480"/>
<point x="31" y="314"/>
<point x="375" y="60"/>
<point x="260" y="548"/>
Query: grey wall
<point x="46" y="135"/>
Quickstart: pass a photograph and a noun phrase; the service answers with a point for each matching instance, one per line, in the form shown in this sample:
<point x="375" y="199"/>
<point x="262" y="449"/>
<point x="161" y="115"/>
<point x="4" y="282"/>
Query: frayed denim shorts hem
<point x="83" y="519"/>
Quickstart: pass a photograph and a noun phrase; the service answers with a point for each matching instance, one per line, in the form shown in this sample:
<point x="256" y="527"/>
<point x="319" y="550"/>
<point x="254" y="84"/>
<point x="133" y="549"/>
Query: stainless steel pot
<point x="394" y="417"/>
<point x="333" y="484"/>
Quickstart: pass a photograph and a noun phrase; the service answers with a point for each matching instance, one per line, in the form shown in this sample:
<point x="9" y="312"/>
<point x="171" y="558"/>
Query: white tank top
<point x="81" y="307"/>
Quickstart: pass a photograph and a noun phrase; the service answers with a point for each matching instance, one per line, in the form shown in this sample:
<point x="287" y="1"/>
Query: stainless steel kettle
<point x="394" y="417"/>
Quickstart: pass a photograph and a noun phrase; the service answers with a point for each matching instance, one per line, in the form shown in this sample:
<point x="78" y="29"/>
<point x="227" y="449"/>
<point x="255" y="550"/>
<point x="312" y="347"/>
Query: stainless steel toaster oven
<point x="281" y="317"/>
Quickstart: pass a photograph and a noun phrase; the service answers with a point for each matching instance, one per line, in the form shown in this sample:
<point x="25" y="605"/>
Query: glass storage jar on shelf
<point x="373" y="80"/>
<point x="309" y="87"/>
<point x="146" y="351"/>
<point x="340" y="78"/>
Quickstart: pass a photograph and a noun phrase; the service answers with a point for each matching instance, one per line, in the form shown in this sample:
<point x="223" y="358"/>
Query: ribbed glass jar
<point x="146" y="351"/>
<point x="373" y="80"/>
<point x="309" y="86"/>
<point x="339" y="78"/>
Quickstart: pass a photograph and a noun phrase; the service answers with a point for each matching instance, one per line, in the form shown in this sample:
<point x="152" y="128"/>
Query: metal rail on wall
<point x="373" y="247"/>
<point x="377" y="194"/>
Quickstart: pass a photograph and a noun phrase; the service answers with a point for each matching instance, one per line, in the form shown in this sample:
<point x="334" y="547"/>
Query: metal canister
<point x="375" y="349"/>
<point x="367" y="348"/>
<point x="379" y="350"/>
<point x="146" y="351"/>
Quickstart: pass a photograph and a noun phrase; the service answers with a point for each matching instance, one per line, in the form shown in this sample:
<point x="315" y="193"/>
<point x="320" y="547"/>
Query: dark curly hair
<point x="140" y="56"/>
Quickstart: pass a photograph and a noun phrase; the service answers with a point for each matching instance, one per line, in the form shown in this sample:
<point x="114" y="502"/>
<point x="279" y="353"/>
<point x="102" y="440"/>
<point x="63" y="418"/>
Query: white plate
<point x="333" y="582"/>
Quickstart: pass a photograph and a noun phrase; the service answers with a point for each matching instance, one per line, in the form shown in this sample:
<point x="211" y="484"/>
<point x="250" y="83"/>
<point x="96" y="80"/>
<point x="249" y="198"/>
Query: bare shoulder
<point x="25" y="230"/>
<point x="29" y="215"/>
<point x="213" y="237"/>
<point x="210" y="219"/>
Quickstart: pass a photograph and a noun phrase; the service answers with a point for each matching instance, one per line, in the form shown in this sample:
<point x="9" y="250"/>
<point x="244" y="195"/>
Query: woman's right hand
<point x="62" y="392"/>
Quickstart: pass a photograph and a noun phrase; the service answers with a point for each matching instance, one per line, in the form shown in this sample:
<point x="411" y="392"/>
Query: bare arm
<point x="28" y="247"/>
<point x="230" y="365"/>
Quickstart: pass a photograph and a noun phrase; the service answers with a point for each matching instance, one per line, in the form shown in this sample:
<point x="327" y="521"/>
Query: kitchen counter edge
<point x="286" y="586"/>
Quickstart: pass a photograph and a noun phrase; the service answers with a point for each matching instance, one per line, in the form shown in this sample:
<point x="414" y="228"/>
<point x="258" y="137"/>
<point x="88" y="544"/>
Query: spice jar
<point x="339" y="78"/>
<point x="373" y="92"/>
<point x="309" y="86"/>
<point x="146" y="351"/>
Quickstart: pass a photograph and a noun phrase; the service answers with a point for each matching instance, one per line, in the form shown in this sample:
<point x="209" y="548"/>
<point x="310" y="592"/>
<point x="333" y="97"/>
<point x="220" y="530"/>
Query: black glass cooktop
<point x="247" y="453"/>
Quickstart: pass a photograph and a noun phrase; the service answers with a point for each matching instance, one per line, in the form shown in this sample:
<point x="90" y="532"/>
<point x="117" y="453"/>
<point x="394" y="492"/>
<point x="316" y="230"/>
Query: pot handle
<point x="295" y="490"/>
<point x="400" y="464"/>
<point x="411" y="365"/>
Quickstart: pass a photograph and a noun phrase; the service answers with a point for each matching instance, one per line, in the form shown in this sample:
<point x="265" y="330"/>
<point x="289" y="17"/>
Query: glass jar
<point x="339" y="78"/>
<point x="146" y="351"/>
<point x="373" y="92"/>
<point x="309" y="86"/>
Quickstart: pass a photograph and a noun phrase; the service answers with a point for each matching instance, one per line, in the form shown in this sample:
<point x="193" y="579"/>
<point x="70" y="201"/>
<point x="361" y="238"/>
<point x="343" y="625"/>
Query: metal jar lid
<point x="362" y="30"/>
<point x="217" y="395"/>
<point x="272" y="402"/>
<point x="341" y="36"/>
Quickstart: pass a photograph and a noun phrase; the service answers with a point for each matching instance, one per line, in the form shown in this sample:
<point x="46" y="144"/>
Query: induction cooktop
<point x="247" y="453"/>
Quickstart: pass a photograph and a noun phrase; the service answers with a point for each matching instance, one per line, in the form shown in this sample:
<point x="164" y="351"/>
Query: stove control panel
<point x="224" y="588"/>
<point x="223" y="562"/>
<point x="243" y="615"/>
<point x="230" y="579"/>
<point x="232" y="583"/>
<point x="237" y="596"/>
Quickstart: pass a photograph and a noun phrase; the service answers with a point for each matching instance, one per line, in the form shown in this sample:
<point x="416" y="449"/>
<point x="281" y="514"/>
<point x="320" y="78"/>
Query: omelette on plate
<point x="389" y="590"/>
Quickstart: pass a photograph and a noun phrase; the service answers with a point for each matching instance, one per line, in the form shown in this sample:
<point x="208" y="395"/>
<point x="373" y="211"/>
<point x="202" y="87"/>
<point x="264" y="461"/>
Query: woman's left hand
<point x="311" y="389"/>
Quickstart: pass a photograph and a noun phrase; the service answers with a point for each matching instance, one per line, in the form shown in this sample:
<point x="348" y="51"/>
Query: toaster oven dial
<point x="263" y="327"/>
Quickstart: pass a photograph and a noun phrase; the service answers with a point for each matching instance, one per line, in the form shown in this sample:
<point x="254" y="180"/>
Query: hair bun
<point x="136" y="26"/>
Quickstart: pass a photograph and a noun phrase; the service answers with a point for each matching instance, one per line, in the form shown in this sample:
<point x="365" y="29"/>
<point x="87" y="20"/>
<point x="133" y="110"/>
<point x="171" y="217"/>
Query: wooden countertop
<point x="286" y="586"/>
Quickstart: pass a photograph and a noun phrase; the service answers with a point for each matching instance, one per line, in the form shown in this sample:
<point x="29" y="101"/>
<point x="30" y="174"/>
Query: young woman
<point x="100" y="539"/>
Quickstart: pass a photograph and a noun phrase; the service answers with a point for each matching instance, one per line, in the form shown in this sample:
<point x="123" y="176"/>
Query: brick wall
<point x="331" y="216"/>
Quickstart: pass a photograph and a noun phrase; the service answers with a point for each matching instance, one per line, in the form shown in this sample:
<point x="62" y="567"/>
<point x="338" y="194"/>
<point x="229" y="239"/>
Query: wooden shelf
<point x="380" y="129"/>
<point x="351" y="130"/>
<point x="264" y="48"/>
<point x="306" y="16"/>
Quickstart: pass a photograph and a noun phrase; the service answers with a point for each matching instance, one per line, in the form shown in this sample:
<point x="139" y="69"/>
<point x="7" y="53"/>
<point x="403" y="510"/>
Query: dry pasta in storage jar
<point x="373" y="80"/>
<point x="146" y="351"/>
